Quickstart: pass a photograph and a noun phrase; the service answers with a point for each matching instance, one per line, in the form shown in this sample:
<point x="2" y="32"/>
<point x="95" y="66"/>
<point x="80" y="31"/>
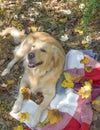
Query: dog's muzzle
<point x="31" y="60"/>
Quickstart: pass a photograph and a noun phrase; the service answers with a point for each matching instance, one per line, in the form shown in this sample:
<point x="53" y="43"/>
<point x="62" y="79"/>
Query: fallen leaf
<point x="86" y="90"/>
<point x="85" y="61"/>
<point x="10" y="82"/>
<point x="42" y="124"/>
<point x="78" y="31"/>
<point x="24" y="90"/>
<point x="20" y="127"/>
<point x="54" y="116"/>
<point x="24" y="116"/>
<point x="67" y="84"/>
<point x="33" y="28"/>
<point x="88" y="69"/>
<point x="68" y="76"/>
<point x="26" y="93"/>
<point x="96" y="101"/>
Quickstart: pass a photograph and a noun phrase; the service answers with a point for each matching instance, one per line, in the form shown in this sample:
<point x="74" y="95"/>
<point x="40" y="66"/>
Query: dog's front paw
<point x="6" y="71"/>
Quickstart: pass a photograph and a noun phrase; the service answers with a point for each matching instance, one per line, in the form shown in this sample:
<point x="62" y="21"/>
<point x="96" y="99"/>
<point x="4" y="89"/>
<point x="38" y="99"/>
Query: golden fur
<point x="43" y="61"/>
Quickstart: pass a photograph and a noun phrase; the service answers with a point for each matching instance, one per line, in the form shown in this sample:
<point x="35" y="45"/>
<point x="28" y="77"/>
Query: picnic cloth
<point x="76" y="112"/>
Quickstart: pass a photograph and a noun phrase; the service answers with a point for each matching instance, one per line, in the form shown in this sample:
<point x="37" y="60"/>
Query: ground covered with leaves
<point x="59" y="18"/>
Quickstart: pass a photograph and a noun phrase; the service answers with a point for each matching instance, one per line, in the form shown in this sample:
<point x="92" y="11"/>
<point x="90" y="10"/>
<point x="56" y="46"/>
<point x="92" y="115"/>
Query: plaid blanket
<point x="76" y="112"/>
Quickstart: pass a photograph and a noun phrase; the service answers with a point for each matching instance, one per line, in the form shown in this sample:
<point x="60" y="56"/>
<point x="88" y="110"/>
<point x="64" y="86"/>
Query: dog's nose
<point x="31" y="55"/>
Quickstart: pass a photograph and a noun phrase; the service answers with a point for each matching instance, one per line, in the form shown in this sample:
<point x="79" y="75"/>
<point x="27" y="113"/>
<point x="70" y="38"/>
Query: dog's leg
<point x="9" y="66"/>
<point x="19" y="102"/>
<point x="5" y="32"/>
<point x="48" y="96"/>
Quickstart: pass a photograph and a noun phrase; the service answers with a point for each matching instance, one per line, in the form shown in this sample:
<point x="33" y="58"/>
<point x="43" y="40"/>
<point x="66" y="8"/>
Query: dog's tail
<point x="17" y="35"/>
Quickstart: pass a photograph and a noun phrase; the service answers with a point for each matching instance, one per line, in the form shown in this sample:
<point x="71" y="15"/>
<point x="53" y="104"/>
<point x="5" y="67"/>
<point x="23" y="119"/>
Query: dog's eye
<point x="43" y="50"/>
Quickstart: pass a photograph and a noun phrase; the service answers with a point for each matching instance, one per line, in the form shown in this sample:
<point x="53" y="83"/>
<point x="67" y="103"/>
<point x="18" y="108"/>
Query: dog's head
<point x="44" y="56"/>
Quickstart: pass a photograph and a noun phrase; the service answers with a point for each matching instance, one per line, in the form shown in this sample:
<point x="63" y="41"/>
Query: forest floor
<point x="57" y="18"/>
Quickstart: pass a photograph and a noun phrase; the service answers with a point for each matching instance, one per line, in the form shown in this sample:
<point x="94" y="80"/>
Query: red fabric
<point x="94" y="75"/>
<point x="75" y="125"/>
<point x="84" y="126"/>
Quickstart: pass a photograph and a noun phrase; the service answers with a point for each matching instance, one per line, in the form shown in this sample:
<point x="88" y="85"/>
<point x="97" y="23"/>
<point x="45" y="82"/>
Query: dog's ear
<point x="24" y="47"/>
<point x="58" y="56"/>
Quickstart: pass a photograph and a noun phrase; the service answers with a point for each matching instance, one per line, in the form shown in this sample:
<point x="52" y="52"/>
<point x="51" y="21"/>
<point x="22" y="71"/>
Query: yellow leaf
<point x="79" y="31"/>
<point x="67" y="84"/>
<point x="33" y="28"/>
<point x="68" y="76"/>
<point x="96" y="101"/>
<point x="26" y="93"/>
<point x="88" y="69"/>
<point x="86" y="90"/>
<point x="24" y="90"/>
<point x="54" y="116"/>
<point x="19" y="25"/>
<point x="42" y="124"/>
<point x="86" y="45"/>
<point x="62" y="20"/>
<point x="85" y="61"/>
<point x="10" y="82"/>
<point x="20" y="127"/>
<point x="24" y="116"/>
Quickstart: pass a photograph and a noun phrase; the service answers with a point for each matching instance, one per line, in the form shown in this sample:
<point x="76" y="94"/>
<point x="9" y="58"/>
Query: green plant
<point x="88" y="12"/>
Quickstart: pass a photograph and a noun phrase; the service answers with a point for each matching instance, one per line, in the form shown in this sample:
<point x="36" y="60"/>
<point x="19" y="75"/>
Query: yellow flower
<point x="24" y="116"/>
<point x="86" y="90"/>
<point x="84" y="61"/>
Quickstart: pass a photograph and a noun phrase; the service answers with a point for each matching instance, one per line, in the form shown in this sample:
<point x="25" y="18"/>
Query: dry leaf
<point x="24" y="116"/>
<point x="33" y="28"/>
<point x="88" y="69"/>
<point x="68" y="76"/>
<point x="96" y="101"/>
<point x="62" y="20"/>
<point x="79" y="31"/>
<point x="10" y="82"/>
<point x="26" y="93"/>
<point x="67" y="84"/>
<point x="42" y="124"/>
<point x="54" y="116"/>
<point x="20" y="127"/>
<point x="85" y="61"/>
<point x="86" y="90"/>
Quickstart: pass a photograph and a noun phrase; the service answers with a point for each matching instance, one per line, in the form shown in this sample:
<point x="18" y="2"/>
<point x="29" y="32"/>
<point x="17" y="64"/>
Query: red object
<point x="75" y="125"/>
<point x="94" y="75"/>
<point x="27" y="128"/>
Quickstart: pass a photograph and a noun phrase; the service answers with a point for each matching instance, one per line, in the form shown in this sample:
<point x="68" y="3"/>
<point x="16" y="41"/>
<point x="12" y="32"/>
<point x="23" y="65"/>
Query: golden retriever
<point x="43" y="60"/>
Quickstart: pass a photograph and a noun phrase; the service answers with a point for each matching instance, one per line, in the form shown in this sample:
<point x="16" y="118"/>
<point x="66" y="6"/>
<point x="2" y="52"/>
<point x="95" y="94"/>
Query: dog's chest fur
<point x="36" y="81"/>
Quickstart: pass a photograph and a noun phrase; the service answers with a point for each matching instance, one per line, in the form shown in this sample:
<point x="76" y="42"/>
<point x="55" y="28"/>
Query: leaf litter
<point x="59" y="18"/>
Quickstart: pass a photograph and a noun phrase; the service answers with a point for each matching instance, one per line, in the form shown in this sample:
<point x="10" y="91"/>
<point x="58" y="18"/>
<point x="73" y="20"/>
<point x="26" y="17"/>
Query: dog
<point x="43" y="60"/>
